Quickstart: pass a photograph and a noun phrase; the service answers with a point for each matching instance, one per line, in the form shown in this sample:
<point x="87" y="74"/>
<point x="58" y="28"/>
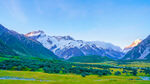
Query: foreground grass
<point x="67" y="78"/>
<point x="74" y="82"/>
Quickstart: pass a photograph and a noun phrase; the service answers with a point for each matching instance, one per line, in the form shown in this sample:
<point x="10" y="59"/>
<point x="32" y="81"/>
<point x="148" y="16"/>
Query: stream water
<point x="17" y="78"/>
<point x="32" y="79"/>
<point x="145" y="78"/>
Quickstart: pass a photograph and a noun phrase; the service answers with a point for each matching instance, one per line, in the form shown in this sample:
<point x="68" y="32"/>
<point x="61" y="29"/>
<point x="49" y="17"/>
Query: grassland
<point x="137" y="64"/>
<point x="67" y="78"/>
<point x="128" y="64"/>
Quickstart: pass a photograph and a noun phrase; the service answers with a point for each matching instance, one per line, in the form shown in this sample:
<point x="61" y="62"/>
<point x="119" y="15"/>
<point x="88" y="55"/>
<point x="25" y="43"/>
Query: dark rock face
<point x="67" y="53"/>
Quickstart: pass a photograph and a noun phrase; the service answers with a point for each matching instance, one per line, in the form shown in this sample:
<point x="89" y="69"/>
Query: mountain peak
<point x="35" y="33"/>
<point x="13" y="43"/>
<point x="142" y="51"/>
<point x="135" y="43"/>
<point x="137" y="40"/>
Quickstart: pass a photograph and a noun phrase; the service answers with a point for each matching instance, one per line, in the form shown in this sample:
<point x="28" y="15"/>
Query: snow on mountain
<point x="130" y="47"/>
<point x="141" y="51"/>
<point x="35" y="33"/>
<point x="105" y="45"/>
<point x="66" y="46"/>
<point x="14" y="44"/>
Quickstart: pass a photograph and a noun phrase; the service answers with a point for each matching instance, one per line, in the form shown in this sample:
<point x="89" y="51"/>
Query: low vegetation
<point x="67" y="78"/>
<point x="67" y="72"/>
<point x="89" y="59"/>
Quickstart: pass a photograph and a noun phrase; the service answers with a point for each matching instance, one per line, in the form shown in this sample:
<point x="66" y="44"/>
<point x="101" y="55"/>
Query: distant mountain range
<point x="38" y="44"/>
<point x="13" y="43"/>
<point x="67" y="47"/>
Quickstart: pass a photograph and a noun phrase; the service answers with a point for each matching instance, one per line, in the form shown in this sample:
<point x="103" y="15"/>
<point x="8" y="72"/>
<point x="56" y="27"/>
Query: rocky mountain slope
<point x="5" y="50"/>
<point x="140" y="52"/>
<point x="67" y="47"/>
<point x="15" y="43"/>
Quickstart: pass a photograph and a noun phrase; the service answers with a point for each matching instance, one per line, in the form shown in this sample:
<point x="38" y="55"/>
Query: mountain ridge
<point x="132" y="45"/>
<point x="22" y="45"/>
<point x="140" y="52"/>
<point x="66" y="46"/>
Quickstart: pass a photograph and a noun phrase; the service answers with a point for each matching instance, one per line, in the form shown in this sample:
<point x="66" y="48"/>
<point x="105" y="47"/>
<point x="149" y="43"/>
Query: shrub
<point x="118" y="73"/>
<point x="83" y="74"/>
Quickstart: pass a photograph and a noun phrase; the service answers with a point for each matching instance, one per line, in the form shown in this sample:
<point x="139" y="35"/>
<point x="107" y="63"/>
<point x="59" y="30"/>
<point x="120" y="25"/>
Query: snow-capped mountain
<point x="15" y="44"/>
<point x="66" y="47"/>
<point x="141" y="51"/>
<point x="130" y="47"/>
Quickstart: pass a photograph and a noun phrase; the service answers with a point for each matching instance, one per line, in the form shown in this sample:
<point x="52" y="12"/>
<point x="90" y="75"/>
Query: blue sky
<point x="116" y="21"/>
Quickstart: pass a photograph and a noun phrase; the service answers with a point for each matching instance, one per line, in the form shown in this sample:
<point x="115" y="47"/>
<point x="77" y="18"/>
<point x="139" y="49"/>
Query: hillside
<point x="89" y="59"/>
<point x="22" y="45"/>
<point x="4" y="49"/>
<point x="140" y="52"/>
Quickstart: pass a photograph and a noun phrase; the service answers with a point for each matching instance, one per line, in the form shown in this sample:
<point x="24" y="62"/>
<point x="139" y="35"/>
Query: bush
<point x="134" y="72"/>
<point x="118" y="73"/>
<point x="100" y="74"/>
<point x="83" y="74"/>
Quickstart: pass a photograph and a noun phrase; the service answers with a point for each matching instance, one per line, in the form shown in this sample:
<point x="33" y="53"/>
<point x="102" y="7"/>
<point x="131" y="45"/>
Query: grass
<point x="3" y="58"/>
<point x="77" y="79"/>
<point x="67" y="78"/>
<point x="71" y="82"/>
<point x="102" y="63"/>
<point x="129" y="64"/>
<point x="137" y="64"/>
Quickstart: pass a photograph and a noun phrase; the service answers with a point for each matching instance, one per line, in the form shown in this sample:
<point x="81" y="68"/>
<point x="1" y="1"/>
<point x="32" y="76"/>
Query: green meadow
<point x="60" y="78"/>
<point x="61" y="72"/>
<point x="67" y="78"/>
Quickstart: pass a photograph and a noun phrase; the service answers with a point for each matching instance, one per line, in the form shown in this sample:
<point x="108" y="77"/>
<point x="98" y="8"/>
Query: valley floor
<point x="45" y="78"/>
